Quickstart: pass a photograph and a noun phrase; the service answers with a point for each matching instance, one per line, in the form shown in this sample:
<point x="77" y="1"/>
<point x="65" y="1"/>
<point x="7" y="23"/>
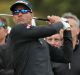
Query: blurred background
<point x="43" y="8"/>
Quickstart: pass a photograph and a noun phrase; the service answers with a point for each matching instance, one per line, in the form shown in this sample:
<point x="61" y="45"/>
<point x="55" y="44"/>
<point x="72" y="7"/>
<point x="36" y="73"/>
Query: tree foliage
<point x="56" y="7"/>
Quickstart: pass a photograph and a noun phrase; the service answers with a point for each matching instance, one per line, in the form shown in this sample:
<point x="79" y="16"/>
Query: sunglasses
<point x="2" y="24"/>
<point x="23" y="11"/>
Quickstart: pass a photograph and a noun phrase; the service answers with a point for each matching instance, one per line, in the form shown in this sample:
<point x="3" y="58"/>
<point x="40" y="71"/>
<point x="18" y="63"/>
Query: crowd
<point x="28" y="49"/>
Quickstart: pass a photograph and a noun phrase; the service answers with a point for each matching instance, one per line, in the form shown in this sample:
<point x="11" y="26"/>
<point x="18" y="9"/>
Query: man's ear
<point x="78" y="31"/>
<point x="32" y="15"/>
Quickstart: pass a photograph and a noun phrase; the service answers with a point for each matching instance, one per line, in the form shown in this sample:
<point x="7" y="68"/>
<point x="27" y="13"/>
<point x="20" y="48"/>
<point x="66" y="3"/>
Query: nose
<point x="19" y="13"/>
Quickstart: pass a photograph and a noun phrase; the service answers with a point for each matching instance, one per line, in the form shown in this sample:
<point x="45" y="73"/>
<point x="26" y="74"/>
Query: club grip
<point x="42" y="19"/>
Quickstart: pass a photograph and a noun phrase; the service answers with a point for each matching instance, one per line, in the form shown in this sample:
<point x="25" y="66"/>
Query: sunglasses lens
<point x="23" y="11"/>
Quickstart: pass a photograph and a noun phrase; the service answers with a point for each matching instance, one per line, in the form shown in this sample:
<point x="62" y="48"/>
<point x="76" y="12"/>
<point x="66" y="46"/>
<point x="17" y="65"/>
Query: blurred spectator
<point x="5" y="50"/>
<point x="74" y="65"/>
<point x="74" y="22"/>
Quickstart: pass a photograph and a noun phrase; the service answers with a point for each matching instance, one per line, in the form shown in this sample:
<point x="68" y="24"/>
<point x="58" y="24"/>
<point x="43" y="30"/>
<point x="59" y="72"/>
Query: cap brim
<point x="16" y="4"/>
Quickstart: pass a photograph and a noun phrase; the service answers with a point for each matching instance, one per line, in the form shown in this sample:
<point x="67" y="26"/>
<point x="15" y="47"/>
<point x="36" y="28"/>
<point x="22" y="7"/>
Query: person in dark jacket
<point x="74" y="64"/>
<point x="31" y="55"/>
<point x="5" y="50"/>
<point x="68" y="68"/>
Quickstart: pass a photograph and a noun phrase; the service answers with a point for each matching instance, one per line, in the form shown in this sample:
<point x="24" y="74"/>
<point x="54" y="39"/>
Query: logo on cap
<point x="22" y="0"/>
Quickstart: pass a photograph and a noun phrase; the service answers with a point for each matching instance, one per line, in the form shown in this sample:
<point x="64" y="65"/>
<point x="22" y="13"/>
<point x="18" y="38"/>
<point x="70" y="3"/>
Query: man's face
<point x="74" y="27"/>
<point x="55" y="40"/>
<point x="22" y="18"/>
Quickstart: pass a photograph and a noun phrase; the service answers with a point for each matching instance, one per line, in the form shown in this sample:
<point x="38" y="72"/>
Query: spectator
<point x="74" y="65"/>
